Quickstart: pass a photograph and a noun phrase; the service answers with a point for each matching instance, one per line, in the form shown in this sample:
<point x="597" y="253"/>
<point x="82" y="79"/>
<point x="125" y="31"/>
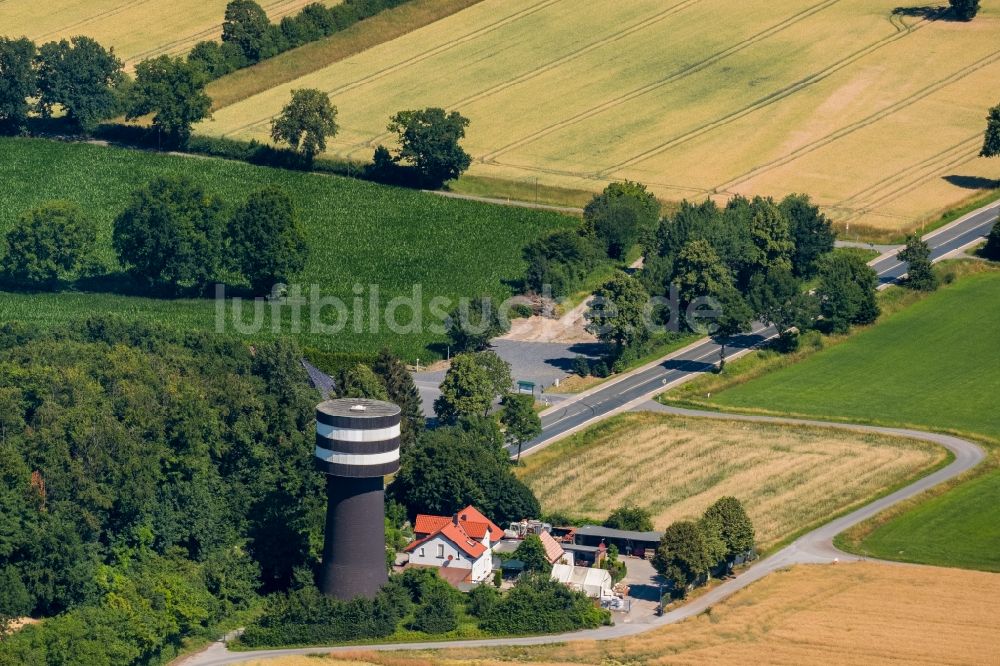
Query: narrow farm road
<point x="815" y="547"/>
<point x="635" y="390"/>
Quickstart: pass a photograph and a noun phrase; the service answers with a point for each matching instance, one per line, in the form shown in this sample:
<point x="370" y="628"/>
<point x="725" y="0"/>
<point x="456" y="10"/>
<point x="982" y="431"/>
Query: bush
<point x="537" y="605"/>
<point x="481" y="601"/>
<point x="305" y="617"/>
<point x="630" y="517"/>
<point x="600" y="370"/>
<point x="521" y="311"/>
<point x="581" y="366"/>
<point x="436" y="615"/>
<point x="55" y="241"/>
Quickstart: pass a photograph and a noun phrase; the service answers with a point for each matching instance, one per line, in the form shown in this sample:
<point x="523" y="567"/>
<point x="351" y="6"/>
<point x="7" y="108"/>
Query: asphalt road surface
<point x="816" y="547"/>
<point x="633" y="391"/>
<point x="618" y="395"/>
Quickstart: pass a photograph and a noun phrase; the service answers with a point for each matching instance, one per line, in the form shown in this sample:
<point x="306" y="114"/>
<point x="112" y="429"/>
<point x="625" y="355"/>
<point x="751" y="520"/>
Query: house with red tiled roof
<point x="463" y="542"/>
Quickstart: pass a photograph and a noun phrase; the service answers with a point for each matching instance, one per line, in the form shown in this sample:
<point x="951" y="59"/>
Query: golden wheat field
<point x="137" y="29"/>
<point x="863" y="613"/>
<point x="788" y="478"/>
<point x="877" y="114"/>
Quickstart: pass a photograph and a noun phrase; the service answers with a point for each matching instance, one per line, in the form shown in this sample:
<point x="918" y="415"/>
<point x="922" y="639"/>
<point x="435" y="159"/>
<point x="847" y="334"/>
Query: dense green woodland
<point x="150" y="484"/>
<point x="154" y="485"/>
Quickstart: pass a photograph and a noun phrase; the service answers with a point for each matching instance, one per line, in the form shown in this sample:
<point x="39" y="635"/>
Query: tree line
<point x="248" y="36"/>
<point x="171" y="235"/>
<point x="419" y="600"/>
<point x="752" y="259"/>
<point x="137" y="462"/>
<point x="88" y="85"/>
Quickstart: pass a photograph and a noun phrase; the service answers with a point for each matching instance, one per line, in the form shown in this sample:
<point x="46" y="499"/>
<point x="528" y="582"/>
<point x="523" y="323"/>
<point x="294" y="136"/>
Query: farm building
<point x="460" y="545"/>
<point x="639" y="544"/>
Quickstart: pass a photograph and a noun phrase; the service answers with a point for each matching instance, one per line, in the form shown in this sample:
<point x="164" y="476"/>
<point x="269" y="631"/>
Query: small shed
<point x="595" y="583"/>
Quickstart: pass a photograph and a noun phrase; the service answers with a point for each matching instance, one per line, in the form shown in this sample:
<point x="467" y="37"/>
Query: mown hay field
<point x="878" y="115"/>
<point x="788" y="478"/>
<point x="137" y="29"/>
<point x="860" y="613"/>
<point x="381" y="238"/>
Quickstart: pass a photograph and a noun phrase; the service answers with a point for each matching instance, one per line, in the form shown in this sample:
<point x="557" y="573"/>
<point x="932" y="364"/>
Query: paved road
<point x="634" y="390"/>
<point x="816" y="547"/>
<point x="612" y="398"/>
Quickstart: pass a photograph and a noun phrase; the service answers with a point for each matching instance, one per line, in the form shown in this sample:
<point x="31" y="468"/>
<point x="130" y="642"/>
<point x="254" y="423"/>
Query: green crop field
<point x="359" y="233"/>
<point x="137" y="29"/>
<point x="934" y="366"/>
<point x="694" y="97"/>
<point x="960" y="528"/>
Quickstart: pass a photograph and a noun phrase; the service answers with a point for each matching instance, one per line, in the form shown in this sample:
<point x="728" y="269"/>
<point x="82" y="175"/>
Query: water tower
<point x="357" y="443"/>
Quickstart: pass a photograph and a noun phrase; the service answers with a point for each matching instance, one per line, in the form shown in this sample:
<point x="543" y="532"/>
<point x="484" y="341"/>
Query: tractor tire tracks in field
<point x="881" y="114"/>
<point x="551" y="65"/>
<point x="420" y="57"/>
<point x="680" y="74"/>
<point x="766" y="101"/>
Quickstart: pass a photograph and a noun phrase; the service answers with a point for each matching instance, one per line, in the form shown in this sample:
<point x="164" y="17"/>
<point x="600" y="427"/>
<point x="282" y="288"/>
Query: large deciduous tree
<point x="621" y="215"/>
<point x="18" y="82"/>
<point x="170" y="233"/>
<point x="266" y="242"/>
<point x="920" y="272"/>
<point x="53" y="242"/>
<point x="402" y="392"/>
<point x="618" y="315"/>
<point x="771" y="236"/>
<point x="520" y="420"/>
<point x="811" y="231"/>
<point x="682" y="556"/>
<point x="246" y="25"/>
<point x="360" y="381"/>
<point x="82" y="77"/>
<point x="429" y="141"/>
<point x="991" y="139"/>
<point x="727" y="520"/>
<point x="452" y="467"/>
<point x="306" y="122"/>
<point x="467" y="390"/>
<point x="174" y="91"/>
<point x="474" y="323"/>
<point x="531" y="551"/>
<point x="699" y="272"/>
<point x="847" y="292"/>
<point x="964" y="10"/>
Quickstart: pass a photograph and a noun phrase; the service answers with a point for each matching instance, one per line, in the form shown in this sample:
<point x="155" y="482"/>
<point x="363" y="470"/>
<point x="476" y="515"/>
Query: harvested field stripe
<point x="765" y="101"/>
<point x="850" y="204"/>
<point x="553" y="64"/>
<point x="865" y="122"/>
<point x="437" y="50"/>
<point x="656" y="85"/>
<point x="964" y="152"/>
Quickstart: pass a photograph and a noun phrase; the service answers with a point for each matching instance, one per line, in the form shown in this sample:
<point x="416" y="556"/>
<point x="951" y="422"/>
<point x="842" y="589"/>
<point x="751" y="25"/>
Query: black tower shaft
<point x="354" y="536"/>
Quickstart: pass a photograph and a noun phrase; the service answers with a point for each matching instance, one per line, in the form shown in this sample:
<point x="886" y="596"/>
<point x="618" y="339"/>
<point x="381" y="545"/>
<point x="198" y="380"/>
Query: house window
<point x="421" y="552"/>
<point x="441" y="551"/>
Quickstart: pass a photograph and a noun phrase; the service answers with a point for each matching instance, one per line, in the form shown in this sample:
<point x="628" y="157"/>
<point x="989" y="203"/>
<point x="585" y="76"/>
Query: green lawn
<point x="933" y="365"/>
<point x="360" y="233"/>
<point x="960" y="528"/>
